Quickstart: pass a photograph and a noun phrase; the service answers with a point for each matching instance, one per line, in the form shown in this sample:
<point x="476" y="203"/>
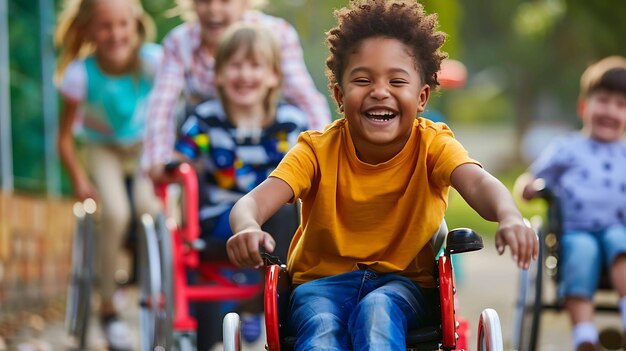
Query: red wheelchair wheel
<point x="446" y="294"/>
<point x="271" y="308"/>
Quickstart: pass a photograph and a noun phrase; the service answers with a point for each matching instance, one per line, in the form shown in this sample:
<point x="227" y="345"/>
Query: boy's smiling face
<point x="604" y="115"/>
<point x="381" y="93"/>
<point x="246" y="78"/>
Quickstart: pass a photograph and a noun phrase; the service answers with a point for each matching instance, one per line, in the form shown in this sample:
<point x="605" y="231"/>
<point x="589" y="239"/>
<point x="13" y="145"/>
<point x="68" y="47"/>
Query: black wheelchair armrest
<point x="463" y="240"/>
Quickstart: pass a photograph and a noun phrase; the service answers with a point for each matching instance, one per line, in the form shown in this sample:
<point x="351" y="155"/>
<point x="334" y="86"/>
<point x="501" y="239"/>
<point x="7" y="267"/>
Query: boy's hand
<point x="243" y="247"/>
<point x="521" y="239"/>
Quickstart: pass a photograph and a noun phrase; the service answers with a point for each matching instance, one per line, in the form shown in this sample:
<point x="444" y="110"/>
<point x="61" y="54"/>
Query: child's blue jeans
<point x="359" y="310"/>
<point x="584" y="254"/>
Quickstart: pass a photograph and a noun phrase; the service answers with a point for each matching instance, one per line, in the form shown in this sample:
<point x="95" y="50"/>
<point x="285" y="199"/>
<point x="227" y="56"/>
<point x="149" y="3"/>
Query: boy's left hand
<point x="522" y="241"/>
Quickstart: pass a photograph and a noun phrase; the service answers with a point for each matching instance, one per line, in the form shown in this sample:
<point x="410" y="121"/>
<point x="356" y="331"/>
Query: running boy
<point x="587" y="171"/>
<point x="374" y="188"/>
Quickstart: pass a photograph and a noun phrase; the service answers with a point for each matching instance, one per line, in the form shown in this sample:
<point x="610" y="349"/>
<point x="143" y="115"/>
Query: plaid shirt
<point x="187" y="68"/>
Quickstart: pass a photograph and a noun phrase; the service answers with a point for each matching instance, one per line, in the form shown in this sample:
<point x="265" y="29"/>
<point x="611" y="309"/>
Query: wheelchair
<point x="448" y="335"/>
<point x="170" y="251"/>
<point x="538" y="286"/>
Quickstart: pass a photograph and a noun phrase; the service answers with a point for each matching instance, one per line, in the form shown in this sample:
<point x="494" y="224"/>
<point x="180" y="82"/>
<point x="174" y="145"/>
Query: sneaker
<point x="117" y="334"/>
<point x="251" y="328"/>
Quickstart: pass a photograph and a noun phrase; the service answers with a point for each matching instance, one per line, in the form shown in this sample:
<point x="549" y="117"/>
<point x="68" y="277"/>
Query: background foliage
<point x="524" y="59"/>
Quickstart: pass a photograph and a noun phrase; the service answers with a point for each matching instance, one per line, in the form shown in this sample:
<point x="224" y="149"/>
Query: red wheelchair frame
<point x="449" y="335"/>
<point x="166" y="294"/>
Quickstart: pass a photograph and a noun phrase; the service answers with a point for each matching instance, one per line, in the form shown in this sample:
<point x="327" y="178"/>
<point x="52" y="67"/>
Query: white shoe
<point x="118" y="335"/>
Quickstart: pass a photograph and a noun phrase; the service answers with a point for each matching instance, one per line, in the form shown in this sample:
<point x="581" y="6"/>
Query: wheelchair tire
<point x="150" y="284"/>
<point x="527" y="315"/>
<point x="489" y="331"/>
<point x="184" y="343"/>
<point x="78" y="304"/>
<point x="232" y="334"/>
<point x="166" y="314"/>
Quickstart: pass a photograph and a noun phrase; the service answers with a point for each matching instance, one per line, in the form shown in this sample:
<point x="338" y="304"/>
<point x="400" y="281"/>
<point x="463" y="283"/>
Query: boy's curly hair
<point x="606" y="74"/>
<point x="404" y="20"/>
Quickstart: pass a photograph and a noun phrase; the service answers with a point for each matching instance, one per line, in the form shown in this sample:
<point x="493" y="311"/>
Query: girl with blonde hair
<point x="104" y="74"/>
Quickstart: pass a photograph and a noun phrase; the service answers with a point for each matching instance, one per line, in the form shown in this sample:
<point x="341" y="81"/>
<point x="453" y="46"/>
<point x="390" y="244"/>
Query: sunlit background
<point x="523" y="59"/>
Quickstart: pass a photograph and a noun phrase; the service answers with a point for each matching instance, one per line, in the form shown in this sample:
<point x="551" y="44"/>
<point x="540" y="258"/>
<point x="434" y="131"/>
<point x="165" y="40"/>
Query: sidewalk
<point x="51" y="335"/>
<point x="489" y="281"/>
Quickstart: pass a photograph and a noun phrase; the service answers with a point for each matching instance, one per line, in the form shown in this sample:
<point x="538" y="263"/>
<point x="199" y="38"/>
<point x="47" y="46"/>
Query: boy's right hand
<point x="243" y="247"/>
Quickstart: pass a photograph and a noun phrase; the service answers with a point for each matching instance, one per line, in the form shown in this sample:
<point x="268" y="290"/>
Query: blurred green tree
<point x="524" y="59"/>
<point x="27" y="130"/>
<point x="532" y="53"/>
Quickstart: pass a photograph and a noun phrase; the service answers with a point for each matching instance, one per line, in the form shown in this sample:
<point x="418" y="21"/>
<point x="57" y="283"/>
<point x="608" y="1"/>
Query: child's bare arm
<point x="83" y="188"/>
<point x="492" y="200"/>
<point x="247" y="216"/>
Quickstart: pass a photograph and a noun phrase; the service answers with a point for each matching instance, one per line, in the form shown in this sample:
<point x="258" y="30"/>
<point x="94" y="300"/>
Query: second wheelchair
<point x="539" y="285"/>
<point x="171" y="251"/>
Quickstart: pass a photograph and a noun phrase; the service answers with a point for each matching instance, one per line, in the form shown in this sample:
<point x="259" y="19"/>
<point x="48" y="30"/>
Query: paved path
<point x="490" y="281"/>
<point x="53" y="336"/>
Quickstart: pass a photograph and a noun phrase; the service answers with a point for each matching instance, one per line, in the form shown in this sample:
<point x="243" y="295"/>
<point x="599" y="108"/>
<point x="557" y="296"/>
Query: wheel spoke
<point x="150" y="283"/>
<point x="166" y="315"/>
<point x="78" y="304"/>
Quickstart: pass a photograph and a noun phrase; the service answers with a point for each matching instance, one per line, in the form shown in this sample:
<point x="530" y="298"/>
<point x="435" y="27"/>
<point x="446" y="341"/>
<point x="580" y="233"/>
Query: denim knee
<point x="320" y="330"/>
<point x="613" y="242"/>
<point x="318" y="319"/>
<point x="379" y="322"/>
<point x="581" y="262"/>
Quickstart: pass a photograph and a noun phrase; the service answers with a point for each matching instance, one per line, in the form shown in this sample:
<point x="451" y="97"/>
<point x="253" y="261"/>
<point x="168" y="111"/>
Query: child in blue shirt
<point x="587" y="170"/>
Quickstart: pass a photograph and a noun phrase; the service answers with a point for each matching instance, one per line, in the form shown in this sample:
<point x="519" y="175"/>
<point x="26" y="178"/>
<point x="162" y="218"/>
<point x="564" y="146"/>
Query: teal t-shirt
<point x="113" y="108"/>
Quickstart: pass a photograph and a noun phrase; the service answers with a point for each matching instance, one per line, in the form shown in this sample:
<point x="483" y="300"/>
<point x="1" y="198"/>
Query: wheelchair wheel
<point x="231" y="330"/>
<point x="489" y="331"/>
<point x="527" y="315"/>
<point x="78" y="304"/>
<point x="166" y="314"/>
<point x="150" y="284"/>
<point x="184" y="342"/>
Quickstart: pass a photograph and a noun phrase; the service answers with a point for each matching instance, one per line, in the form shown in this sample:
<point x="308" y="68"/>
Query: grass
<point x="460" y="214"/>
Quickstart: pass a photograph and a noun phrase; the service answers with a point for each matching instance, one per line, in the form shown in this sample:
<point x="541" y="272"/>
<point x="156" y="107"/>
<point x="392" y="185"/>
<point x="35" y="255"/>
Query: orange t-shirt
<point x="357" y="215"/>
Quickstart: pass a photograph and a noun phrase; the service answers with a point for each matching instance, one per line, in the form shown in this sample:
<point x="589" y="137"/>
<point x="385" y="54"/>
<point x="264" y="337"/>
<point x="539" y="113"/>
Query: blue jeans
<point x="583" y="255"/>
<point x="360" y="310"/>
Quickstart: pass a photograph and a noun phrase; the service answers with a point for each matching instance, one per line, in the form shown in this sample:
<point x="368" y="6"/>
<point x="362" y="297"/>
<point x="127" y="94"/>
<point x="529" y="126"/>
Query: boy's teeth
<point x="380" y="116"/>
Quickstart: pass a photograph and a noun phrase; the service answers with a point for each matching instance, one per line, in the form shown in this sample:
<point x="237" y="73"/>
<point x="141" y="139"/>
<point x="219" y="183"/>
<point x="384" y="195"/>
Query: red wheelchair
<point x="169" y="251"/>
<point x="448" y="335"/>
